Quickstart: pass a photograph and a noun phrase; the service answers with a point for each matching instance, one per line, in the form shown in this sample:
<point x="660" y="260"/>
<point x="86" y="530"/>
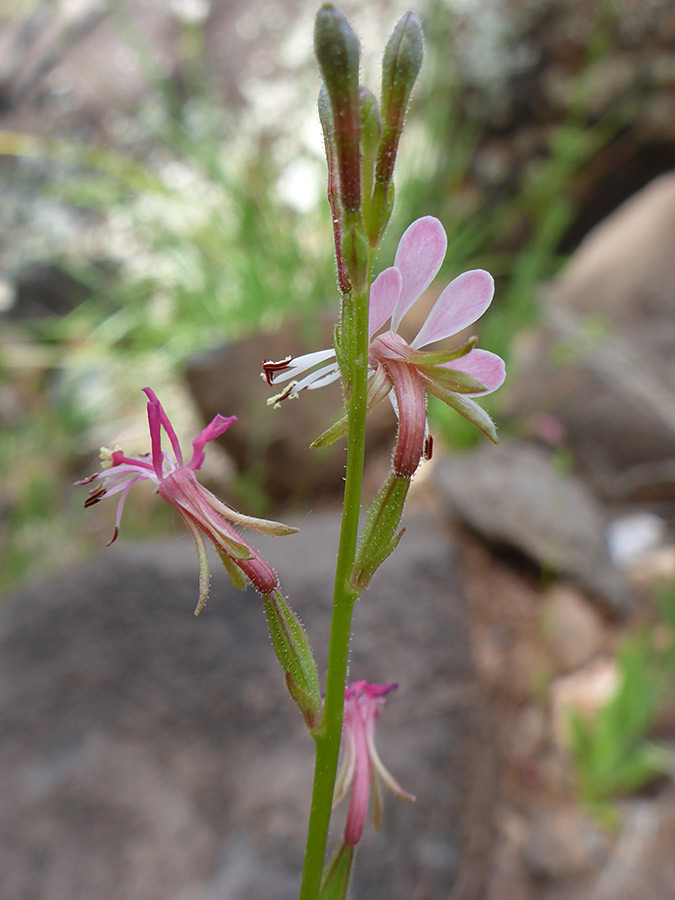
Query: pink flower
<point x="401" y="370"/>
<point x="201" y="511"/>
<point x="361" y="766"/>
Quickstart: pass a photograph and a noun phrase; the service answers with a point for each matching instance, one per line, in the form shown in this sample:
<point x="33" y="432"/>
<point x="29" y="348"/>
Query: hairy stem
<point x="327" y="738"/>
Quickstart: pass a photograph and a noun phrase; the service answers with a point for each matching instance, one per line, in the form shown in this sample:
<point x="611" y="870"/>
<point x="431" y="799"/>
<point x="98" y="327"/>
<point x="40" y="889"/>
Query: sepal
<point x="295" y="656"/>
<point x="466" y="407"/>
<point x="453" y="379"/>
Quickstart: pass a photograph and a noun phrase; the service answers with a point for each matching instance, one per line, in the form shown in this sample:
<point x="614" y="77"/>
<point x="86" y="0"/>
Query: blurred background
<point x="163" y="197"/>
<point x="163" y="222"/>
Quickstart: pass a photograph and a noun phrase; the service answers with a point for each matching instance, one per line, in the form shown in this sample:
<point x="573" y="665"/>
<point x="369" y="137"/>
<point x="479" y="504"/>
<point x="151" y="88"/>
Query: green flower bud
<point x="335" y="878"/>
<point x="401" y="65"/>
<point x="370" y="141"/>
<point x="381" y="207"/>
<point x="338" y="53"/>
<point x="295" y="656"/>
<point x="380" y="538"/>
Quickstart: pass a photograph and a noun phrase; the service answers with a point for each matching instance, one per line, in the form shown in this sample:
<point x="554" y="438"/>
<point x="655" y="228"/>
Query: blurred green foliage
<point x="202" y="248"/>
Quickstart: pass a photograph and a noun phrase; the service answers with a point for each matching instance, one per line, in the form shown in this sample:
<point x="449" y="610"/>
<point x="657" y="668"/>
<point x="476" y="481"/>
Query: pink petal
<point x="375" y="691"/>
<point x="420" y="254"/>
<point x="154" y="427"/>
<point x="360" y="795"/>
<point x="486" y="367"/>
<point x="384" y="294"/>
<point x="218" y="425"/>
<point x="463" y="301"/>
<point x="164" y="421"/>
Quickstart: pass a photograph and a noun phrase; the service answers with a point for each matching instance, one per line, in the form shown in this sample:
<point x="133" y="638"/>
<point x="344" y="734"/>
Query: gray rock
<point x="612" y="310"/>
<point x="150" y="755"/>
<point x="514" y="495"/>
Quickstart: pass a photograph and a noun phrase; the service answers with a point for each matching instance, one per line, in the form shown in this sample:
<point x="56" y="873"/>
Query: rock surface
<point x="612" y="313"/>
<point x="514" y="495"/>
<point x="150" y="755"/>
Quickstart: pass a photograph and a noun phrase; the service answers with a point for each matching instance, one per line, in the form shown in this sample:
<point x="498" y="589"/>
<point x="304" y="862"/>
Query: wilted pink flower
<point x="402" y="370"/>
<point x="361" y="767"/>
<point x="202" y="512"/>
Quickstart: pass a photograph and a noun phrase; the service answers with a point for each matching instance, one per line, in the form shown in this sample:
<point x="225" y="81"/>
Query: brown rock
<point x="573" y="629"/>
<point x="584" y="691"/>
<point x="563" y="843"/>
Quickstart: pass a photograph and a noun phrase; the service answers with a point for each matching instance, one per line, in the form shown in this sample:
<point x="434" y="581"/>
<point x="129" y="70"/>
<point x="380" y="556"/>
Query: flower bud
<point x="381" y="207"/>
<point x="338" y="52"/>
<point x="295" y="656"/>
<point x="335" y="878"/>
<point x="379" y="538"/>
<point x="401" y="65"/>
<point x="332" y="189"/>
<point x="370" y="141"/>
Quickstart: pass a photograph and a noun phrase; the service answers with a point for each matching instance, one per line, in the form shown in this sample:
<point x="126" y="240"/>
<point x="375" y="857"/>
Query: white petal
<point x="301" y="364"/>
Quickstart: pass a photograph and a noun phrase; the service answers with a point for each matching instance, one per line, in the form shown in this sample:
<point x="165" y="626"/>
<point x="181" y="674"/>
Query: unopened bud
<point x="333" y="186"/>
<point x="335" y="878"/>
<point x="381" y="207"/>
<point x="380" y="536"/>
<point x="370" y="141"/>
<point x="338" y="52"/>
<point x="295" y="656"/>
<point x="401" y="65"/>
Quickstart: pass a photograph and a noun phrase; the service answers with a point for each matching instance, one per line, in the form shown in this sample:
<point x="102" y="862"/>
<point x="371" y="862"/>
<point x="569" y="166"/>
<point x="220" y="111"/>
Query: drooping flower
<point x="201" y="511"/>
<point x="362" y="768"/>
<point x="404" y="371"/>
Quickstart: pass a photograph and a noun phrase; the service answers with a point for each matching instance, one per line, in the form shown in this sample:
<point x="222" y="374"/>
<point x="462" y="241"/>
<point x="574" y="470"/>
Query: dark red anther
<point x="94" y="497"/>
<point x="271" y="368"/>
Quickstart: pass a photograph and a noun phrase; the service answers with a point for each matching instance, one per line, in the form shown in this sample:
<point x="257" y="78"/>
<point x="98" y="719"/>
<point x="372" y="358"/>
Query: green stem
<point x="327" y="738"/>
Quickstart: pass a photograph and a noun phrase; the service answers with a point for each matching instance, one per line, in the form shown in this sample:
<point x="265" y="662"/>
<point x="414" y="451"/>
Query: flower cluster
<point x="361" y="767"/>
<point x="404" y="371"/>
<point x="201" y="511"/>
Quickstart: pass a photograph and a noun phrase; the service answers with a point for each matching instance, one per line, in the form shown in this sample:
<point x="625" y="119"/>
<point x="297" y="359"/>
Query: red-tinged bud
<point x="333" y="186"/>
<point x="338" y="53"/>
<point x="380" y="535"/>
<point x="336" y="875"/>
<point x="295" y="656"/>
<point x="401" y="65"/>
